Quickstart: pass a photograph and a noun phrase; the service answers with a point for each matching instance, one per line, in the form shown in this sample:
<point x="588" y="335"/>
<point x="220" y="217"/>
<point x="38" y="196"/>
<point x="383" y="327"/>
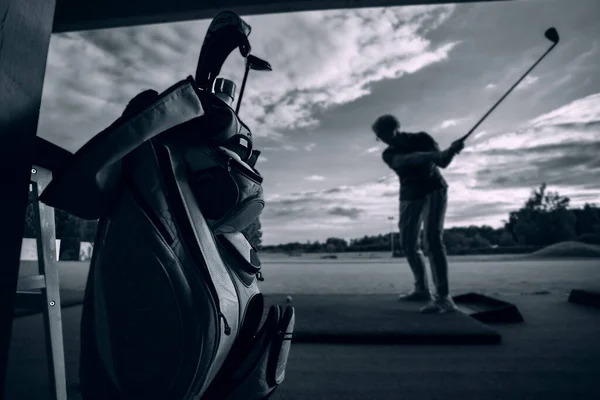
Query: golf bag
<point x="172" y="309"/>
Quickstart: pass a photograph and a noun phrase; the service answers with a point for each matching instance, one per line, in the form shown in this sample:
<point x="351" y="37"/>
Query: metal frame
<point x="46" y="284"/>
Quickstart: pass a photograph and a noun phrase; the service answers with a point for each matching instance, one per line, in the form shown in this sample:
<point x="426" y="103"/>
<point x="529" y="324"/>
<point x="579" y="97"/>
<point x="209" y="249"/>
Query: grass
<point x="558" y="268"/>
<point x="568" y="249"/>
<point x="492" y="277"/>
<point x="538" y="359"/>
<point x="564" y="250"/>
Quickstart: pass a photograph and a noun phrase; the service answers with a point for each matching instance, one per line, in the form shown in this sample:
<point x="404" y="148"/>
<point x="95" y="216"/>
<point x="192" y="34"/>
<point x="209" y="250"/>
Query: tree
<point x="588" y="219"/>
<point x="543" y="220"/>
<point x="30" y="226"/>
<point x="253" y="233"/>
<point x="456" y="241"/>
<point x="479" y="242"/>
<point x="88" y="231"/>
<point x="68" y="230"/>
<point x="336" y="245"/>
<point x="506" y="239"/>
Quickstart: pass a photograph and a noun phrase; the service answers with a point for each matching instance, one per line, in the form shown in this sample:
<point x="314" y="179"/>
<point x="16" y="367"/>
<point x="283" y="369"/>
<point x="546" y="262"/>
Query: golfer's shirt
<point x="418" y="176"/>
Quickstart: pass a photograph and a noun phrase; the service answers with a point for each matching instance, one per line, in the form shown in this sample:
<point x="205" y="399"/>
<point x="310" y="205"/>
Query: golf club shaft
<point x="507" y="93"/>
<point x="239" y="103"/>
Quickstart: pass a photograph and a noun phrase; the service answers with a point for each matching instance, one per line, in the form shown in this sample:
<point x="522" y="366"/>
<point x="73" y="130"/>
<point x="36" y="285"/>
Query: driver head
<point x="226" y="32"/>
<point x="552" y="35"/>
<point x="258" y="64"/>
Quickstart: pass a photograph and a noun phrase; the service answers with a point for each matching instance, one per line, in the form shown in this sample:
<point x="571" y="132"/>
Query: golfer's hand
<point x="456" y="147"/>
<point x="445" y="157"/>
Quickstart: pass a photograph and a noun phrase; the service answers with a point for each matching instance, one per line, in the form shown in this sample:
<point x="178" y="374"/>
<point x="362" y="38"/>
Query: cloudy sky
<point x="437" y="68"/>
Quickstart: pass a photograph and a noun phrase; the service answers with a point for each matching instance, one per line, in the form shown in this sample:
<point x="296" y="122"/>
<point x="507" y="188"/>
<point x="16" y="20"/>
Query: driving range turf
<point x="554" y="354"/>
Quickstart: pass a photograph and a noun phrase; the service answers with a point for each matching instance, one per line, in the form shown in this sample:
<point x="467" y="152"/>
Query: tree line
<point x="544" y="219"/>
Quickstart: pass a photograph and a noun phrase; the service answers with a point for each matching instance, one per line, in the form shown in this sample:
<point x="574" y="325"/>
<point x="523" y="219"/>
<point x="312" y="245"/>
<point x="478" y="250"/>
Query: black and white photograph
<point x="251" y="200"/>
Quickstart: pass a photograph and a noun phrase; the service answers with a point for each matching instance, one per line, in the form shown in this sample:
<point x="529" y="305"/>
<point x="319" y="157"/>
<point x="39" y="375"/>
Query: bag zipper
<point x="227" y="330"/>
<point x="250" y="175"/>
<point x="167" y="179"/>
<point x="204" y="269"/>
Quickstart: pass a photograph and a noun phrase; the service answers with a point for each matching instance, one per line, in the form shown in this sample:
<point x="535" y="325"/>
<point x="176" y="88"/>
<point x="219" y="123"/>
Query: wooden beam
<point x="46" y="255"/>
<point x="50" y="156"/>
<point x="78" y="15"/>
<point x="25" y="29"/>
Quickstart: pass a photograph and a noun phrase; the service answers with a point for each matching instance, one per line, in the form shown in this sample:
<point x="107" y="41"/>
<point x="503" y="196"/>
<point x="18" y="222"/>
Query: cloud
<point x="320" y="60"/>
<point x="528" y="81"/>
<point x="316" y="178"/>
<point x="578" y="121"/>
<point x="525" y="83"/>
<point x="373" y="149"/>
<point x="481" y="134"/>
<point x="351" y="213"/>
<point x="310" y="146"/>
<point x="364" y="209"/>
<point x="448" y="123"/>
<point x="561" y="148"/>
<point x="330" y="212"/>
<point x="581" y="111"/>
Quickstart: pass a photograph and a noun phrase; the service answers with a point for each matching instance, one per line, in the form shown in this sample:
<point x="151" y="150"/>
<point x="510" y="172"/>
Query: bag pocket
<point x="228" y="191"/>
<point x="258" y="366"/>
<point x="240" y="256"/>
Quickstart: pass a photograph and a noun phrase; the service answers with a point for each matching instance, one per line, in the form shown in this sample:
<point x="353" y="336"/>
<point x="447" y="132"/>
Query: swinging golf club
<point x="257" y="64"/>
<point x="552" y="35"/>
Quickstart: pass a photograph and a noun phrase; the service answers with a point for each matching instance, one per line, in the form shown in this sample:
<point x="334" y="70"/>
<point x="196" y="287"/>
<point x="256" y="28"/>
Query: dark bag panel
<point x="153" y="282"/>
<point x="154" y="323"/>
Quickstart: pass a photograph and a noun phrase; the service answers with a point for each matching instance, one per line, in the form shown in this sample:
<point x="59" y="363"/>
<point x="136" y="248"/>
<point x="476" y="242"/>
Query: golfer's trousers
<point x="430" y="213"/>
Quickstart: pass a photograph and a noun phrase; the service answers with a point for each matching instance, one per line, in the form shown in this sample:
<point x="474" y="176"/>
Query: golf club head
<point x="552" y="35"/>
<point x="258" y="64"/>
<point x="226" y="32"/>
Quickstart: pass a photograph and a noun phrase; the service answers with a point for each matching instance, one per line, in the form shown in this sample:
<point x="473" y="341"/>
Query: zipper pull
<point x="227" y="327"/>
<point x="285" y="335"/>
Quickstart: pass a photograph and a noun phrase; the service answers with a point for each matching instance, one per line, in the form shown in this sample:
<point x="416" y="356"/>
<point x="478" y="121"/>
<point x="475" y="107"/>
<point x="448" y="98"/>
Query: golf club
<point x="257" y="64"/>
<point x="552" y="35"/>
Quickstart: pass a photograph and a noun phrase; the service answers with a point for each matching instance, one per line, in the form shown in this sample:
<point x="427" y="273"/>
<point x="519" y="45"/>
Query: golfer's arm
<point x="401" y="161"/>
<point x="445" y="161"/>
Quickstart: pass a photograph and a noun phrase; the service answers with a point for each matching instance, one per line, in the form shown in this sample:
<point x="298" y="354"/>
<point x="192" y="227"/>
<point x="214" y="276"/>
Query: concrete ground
<point x="555" y="354"/>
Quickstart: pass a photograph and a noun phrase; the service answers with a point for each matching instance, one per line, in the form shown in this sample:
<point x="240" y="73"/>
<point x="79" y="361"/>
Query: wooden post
<point x="25" y="28"/>
<point x="48" y="268"/>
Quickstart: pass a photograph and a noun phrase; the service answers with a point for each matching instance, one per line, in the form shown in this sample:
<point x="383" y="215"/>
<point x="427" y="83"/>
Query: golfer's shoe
<point x="416" y="295"/>
<point x="440" y="305"/>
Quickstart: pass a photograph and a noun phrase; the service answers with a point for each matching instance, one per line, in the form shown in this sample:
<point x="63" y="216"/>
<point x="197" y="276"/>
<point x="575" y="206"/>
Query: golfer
<point x="416" y="158"/>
